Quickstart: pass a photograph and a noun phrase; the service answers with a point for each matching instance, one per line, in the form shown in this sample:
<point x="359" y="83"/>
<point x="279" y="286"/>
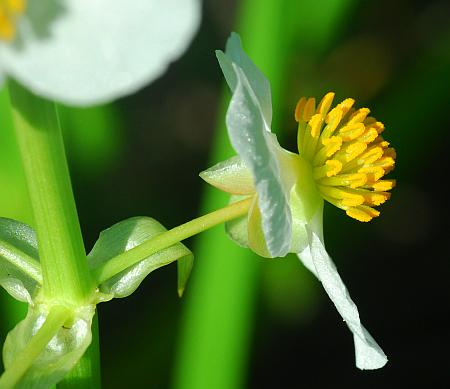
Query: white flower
<point x="83" y="52"/>
<point x="286" y="214"/>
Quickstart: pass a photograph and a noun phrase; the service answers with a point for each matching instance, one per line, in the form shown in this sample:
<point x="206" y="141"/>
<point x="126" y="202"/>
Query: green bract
<point x="20" y="275"/>
<point x="61" y="353"/>
<point x="83" y="52"/>
<point x="286" y="215"/>
<point x="20" y="271"/>
<point x="126" y="235"/>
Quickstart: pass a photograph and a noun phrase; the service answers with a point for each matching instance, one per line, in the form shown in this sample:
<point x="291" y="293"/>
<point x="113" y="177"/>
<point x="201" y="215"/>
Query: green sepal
<point x="231" y="176"/>
<point x="61" y="353"/>
<point x="20" y="271"/>
<point x="122" y="237"/>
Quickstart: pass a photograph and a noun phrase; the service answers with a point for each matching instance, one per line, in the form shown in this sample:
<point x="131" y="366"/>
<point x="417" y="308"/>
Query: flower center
<point x="10" y="10"/>
<point x="347" y="153"/>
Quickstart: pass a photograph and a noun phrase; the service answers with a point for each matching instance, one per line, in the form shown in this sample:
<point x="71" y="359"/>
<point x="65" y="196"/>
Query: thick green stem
<point x="167" y="239"/>
<point x="55" y="319"/>
<point x="66" y="277"/>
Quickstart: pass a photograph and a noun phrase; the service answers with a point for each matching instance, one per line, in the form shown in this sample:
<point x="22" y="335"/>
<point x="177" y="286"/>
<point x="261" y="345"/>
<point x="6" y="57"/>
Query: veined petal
<point x="85" y="52"/>
<point x="231" y="176"/>
<point x="367" y="352"/>
<point x="248" y="135"/>
<point x="258" y="82"/>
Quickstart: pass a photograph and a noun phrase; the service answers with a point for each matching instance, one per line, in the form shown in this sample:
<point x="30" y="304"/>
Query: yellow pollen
<point x="332" y="119"/>
<point x="10" y="10"/>
<point x="362" y="213"/>
<point x="350" y="151"/>
<point x="371" y="197"/>
<point x="346" y="105"/>
<point x="352" y="180"/>
<point x="359" y="116"/>
<point x="347" y="154"/>
<point x="371" y="155"/>
<point x="331" y="146"/>
<point x="351" y="131"/>
<point x="314" y="124"/>
<point x="373" y="173"/>
<point x="377" y="126"/>
<point x="299" y="109"/>
<point x="325" y="104"/>
<point x="343" y="196"/>
<point x="334" y="167"/>
<point x="330" y="169"/>
<point x="309" y="109"/>
<point x="369" y="135"/>
<point x="383" y="185"/>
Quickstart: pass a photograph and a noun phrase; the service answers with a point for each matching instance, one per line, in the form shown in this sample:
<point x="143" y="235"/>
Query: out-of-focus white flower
<point x="341" y="163"/>
<point x="84" y="52"/>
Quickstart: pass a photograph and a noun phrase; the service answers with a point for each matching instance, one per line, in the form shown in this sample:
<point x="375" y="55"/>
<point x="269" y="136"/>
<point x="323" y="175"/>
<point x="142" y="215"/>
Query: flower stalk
<point x="121" y="262"/>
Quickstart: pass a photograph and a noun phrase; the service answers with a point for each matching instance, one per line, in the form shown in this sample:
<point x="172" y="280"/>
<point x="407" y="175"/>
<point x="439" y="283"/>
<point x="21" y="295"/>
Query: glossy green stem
<point x="166" y="239"/>
<point x="65" y="273"/>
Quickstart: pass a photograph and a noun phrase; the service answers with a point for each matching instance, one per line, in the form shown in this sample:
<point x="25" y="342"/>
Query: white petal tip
<point x="369" y="356"/>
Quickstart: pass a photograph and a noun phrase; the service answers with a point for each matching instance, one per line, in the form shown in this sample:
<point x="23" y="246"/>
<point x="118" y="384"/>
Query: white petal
<point x="251" y="141"/>
<point x="367" y="352"/>
<point x="248" y="118"/>
<point x="258" y="82"/>
<point x="84" y="52"/>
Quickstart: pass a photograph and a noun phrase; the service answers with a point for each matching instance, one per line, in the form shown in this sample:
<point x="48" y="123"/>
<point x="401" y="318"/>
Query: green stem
<point x="65" y="273"/>
<point x="167" y="239"/>
<point x="86" y="373"/>
<point x="56" y="318"/>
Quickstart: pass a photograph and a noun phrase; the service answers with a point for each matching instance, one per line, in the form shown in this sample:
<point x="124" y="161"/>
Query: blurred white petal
<point x="84" y="52"/>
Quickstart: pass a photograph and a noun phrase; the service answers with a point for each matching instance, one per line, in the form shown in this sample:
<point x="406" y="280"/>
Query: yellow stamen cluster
<point x="9" y="12"/>
<point x="347" y="153"/>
